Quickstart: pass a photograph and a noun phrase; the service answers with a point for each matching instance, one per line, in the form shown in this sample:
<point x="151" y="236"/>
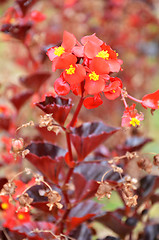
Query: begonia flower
<point x="95" y="79"/>
<point x="61" y="56"/>
<point x="151" y="100"/>
<point x="113" y="90"/>
<point x="131" y="117"/>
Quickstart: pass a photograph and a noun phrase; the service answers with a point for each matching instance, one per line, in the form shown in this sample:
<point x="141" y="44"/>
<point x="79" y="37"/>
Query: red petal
<point x="91" y="49"/>
<point x="64" y="61"/>
<point x="61" y="87"/>
<point x="151" y="100"/>
<point x="114" y="65"/>
<point x="94" y="87"/>
<point x="69" y="41"/>
<point x="37" y="16"/>
<point x="100" y="66"/>
<point x="77" y="77"/>
<point x="78" y="51"/>
<point x="92" y="102"/>
<point x="50" y="53"/>
<point x="91" y="38"/>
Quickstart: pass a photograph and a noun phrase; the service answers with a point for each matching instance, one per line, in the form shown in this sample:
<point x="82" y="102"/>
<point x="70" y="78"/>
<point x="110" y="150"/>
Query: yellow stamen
<point x="20" y="216"/>
<point x="113" y="91"/>
<point x="93" y="76"/>
<point x="59" y="51"/>
<point x="134" y="122"/>
<point x="4" y="206"/>
<point x="117" y="54"/>
<point x="70" y="70"/>
<point x="103" y="54"/>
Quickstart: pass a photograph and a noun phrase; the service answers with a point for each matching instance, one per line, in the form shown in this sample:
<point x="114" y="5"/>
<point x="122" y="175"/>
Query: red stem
<point x="134" y="99"/>
<point x="72" y="123"/>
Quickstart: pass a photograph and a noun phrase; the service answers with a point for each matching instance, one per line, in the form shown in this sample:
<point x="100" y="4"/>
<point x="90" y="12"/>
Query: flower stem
<point x="134" y="99"/>
<point x="72" y="123"/>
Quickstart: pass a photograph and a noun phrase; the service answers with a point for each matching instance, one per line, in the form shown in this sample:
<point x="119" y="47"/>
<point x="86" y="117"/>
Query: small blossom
<point x="131" y="117"/>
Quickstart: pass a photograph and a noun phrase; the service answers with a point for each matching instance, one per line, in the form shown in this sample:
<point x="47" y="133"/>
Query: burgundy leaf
<point x="81" y="233"/>
<point x="25" y="229"/>
<point x="4" y="122"/>
<point x="25" y="5"/>
<point x="47" y="158"/>
<point x="113" y="220"/>
<point x="84" y="189"/>
<point x="151" y="232"/>
<point x="18" y="31"/>
<point x="60" y="107"/>
<point x="133" y="143"/>
<point x="82" y="212"/>
<point x="35" y="81"/>
<point x="49" y="136"/>
<point x="89" y="136"/>
<point x="148" y="185"/>
<point x="109" y="238"/>
<point x="20" y="99"/>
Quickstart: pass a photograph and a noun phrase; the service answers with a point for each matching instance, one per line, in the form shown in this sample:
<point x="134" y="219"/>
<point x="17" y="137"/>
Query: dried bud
<point x="25" y="152"/>
<point x="8" y="189"/>
<point x="48" y="121"/>
<point x="145" y="164"/>
<point x="131" y="155"/>
<point x="104" y="189"/>
<point x="17" y="145"/>
<point x="54" y="198"/>
<point x="156" y="160"/>
<point x="117" y="169"/>
<point x="25" y="201"/>
<point x="38" y="178"/>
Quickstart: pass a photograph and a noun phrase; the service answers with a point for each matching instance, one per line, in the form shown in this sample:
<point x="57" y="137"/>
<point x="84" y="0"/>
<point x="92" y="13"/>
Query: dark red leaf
<point x="4" y="122"/>
<point x="49" y="136"/>
<point x="25" y="229"/>
<point x="148" y="185"/>
<point x="84" y="189"/>
<point x="89" y="136"/>
<point x="20" y="99"/>
<point x="60" y="107"/>
<point x="47" y="158"/>
<point x="151" y="100"/>
<point x="35" y="81"/>
<point x="113" y="220"/>
<point x="25" y="5"/>
<point x="81" y="233"/>
<point x="82" y="212"/>
<point x="133" y="143"/>
<point x="18" y="31"/>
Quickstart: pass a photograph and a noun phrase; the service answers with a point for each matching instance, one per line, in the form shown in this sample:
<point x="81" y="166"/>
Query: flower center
<point x="70" y="70"/>
<point x="93" y="76"/>
<point x="103" y="54"/>
<point x="59" y="51"/>
<point x="4" y="206"/>
<point x="20" y="216"/>
<point x="134" y="122"/>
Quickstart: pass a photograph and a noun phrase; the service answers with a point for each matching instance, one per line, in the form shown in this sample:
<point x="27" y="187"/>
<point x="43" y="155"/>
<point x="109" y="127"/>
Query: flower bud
<point x="17" y="145"/>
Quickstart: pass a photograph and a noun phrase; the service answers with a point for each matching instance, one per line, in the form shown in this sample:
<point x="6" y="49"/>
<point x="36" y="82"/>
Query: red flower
<point x="113" y="90"/>
<point x="95" y="79"/>
<point x="61" y="87"/>
<point x="151" y="100"/>
<point x="131" y="117"/>
<point x="92" y="102"/>
<point x="92" y="49"/>
<point x="62" y="57"/>
<point x="74" y="74"/>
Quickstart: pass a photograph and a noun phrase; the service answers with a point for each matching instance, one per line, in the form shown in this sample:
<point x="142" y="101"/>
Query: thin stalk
<point x="72" y="123"/>
<point x="134" y="99"/>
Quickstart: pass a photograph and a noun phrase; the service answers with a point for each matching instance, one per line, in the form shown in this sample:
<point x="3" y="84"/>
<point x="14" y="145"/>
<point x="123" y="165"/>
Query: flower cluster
<point x="86" y="69"/>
